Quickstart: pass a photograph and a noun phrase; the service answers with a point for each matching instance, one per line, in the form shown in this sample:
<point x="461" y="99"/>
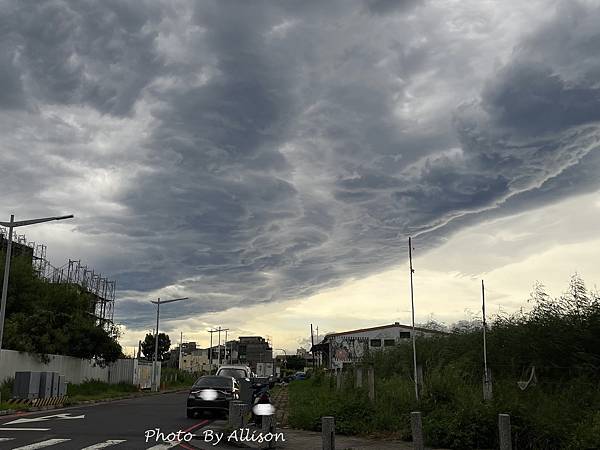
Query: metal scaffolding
<point x="102" y="290"/>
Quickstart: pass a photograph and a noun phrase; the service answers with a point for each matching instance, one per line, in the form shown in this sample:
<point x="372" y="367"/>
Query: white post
<point x="504" y="429"/>
<point x="416" y="426"/>
<point x="371" y="382"/>
<point x="268" y="428"/>
<point x="328" y="432"/>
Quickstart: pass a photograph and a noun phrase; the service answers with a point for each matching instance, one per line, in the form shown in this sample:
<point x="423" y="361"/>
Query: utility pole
<point x="412" y="302"/>
<point x="210" y="355"/>
<point x="487" y="385"/>
<point x="312" y="348"/>
<point x="219" y="331"/>
<point x="180" y="350"/>
<point x="226" y="346"/>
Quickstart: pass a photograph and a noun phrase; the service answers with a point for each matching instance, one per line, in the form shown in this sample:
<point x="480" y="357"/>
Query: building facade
<point x="348" y="347"/>
<point x="252" y="350"/>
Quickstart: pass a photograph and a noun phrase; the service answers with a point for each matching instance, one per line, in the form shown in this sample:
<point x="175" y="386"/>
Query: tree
<point x="51" y="318"/>
<point x="164" y="343"/>
<point x="295" y="362"/>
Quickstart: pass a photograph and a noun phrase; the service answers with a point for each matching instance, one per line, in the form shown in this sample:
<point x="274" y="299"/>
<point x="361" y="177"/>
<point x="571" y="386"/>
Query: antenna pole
<point x="412" y="302"/>
<point x="487" y="382"/>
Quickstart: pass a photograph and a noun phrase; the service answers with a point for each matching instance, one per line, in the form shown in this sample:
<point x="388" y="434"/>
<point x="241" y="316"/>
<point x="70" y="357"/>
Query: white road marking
<point x="164" y="446"/>
<point x="6" y="439"/>
<point x="24" y="429"/>
<point x="40" y="419"/>
<point x="42" y="444"/>
<point x="104" y="444"/>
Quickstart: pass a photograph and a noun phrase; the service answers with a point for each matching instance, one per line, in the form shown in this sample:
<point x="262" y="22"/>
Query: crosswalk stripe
<point x="24" y="429"/>
<point x="164" y="446"/>
<point x="42" y="444"/>
<point x="104" y="444"/>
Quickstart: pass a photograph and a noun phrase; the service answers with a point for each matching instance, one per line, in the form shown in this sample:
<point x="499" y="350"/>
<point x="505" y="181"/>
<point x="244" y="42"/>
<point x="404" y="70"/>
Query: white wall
<point x="74" y="370"/>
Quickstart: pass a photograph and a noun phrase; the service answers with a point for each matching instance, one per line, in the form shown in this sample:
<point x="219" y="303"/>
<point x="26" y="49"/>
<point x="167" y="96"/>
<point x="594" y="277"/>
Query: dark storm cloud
<point x="276" y="149"/>
<point x="388" y="6"/>
<point x="83" y="52"/>
<point x="531" y="99"/>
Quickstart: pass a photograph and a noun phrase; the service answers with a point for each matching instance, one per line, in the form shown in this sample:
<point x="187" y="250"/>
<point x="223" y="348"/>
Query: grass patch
<point x="98" y="390"/>
<point x="174" y="378"/>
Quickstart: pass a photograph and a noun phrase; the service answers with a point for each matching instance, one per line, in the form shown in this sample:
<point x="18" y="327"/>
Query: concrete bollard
<point x="232" y="412"/>
<point x="338" y="380"/>
<point x="371" y="382"/>
<point x="268" y="426"/>
<point x="244" y="410"/>
<point x="328" y="432"/>
<point x="416" y="425"/>
<point x="358" y="377"/>
<point x="504" y="429"/>
<point x="236" y="414"/>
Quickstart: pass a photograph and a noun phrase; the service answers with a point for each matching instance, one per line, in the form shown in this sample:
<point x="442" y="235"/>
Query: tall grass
<point x="560" y="337"/>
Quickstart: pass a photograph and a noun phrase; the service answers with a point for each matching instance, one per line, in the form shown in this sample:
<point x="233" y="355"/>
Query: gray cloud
<point x="243" y="154"/>
<point x="100" y="54"/>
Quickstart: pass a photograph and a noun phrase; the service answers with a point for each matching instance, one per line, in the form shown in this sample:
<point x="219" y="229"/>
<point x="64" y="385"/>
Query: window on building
<point x="405" y="335"/>
<point x="389" y="342"/>
<point x="375" y="342"/>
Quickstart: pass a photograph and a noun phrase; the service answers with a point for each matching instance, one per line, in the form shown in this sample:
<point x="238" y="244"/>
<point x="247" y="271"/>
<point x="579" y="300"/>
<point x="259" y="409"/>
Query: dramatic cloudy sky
<point x="269" y="159"/>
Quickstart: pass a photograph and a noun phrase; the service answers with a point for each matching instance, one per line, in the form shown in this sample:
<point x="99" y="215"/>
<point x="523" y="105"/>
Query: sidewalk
<point x="309" y="440"/>
<point x="10" y="411"/>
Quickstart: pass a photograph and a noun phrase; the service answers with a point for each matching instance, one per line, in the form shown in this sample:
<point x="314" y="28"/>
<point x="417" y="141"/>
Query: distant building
<point x="196" y="362"/>
<point x="254" y="349"/>
<point x="188" y="347"/>
<point x="348" y="347"/>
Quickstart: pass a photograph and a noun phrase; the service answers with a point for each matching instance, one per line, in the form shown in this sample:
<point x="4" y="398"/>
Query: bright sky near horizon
<point x="270" y="159"/>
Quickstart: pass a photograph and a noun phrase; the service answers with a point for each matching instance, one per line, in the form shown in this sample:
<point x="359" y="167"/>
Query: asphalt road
<point x="121" y="425"/>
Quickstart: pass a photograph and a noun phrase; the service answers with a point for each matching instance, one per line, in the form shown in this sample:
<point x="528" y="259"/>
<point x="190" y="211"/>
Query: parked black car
<point x="212" y="393"/>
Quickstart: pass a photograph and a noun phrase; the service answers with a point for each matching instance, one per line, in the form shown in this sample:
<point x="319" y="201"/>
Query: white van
<point x="236" y="371"/>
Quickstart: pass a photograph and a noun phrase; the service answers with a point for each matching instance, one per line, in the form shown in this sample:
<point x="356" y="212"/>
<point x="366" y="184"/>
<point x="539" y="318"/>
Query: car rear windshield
<point x="235" y="373"/>
<point x="214" y="382"/>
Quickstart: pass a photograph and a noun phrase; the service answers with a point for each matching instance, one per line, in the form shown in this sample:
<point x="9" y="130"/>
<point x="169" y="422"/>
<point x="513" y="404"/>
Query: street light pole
<point x="155" y="361"/>
<point x="10" y="225"/>
<point x="5" y="281"/>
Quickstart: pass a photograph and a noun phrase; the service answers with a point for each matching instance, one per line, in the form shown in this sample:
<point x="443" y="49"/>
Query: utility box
<point x="62" y="386"/>
<point x="26" y="385"/>
<point x="55" y="383"/>
<point x="45" y="385"/>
